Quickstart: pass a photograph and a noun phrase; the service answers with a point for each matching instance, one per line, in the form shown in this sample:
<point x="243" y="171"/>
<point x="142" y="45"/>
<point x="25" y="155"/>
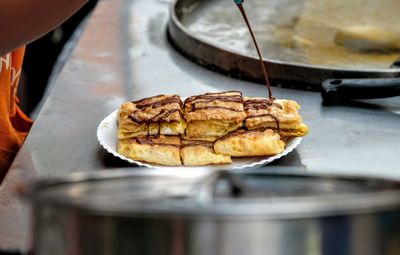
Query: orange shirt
<point x="14" y="124"/>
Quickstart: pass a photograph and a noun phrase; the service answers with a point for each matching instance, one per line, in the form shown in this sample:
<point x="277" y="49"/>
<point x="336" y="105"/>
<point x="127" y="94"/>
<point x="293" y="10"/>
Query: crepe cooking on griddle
<point x="206" y="129"/>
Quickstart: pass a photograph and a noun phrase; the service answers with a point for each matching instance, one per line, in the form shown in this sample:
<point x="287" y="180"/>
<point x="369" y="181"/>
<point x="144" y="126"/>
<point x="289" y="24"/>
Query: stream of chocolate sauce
<point x="265" y="73"/>
<point x="264" y="69"/>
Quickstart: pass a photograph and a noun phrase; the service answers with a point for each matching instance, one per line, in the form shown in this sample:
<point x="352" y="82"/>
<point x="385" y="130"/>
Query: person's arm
<point x="22" y="21"/>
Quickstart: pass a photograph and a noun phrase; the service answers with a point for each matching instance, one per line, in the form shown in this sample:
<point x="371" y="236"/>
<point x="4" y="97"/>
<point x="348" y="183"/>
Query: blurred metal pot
<point x="193" y="212"/>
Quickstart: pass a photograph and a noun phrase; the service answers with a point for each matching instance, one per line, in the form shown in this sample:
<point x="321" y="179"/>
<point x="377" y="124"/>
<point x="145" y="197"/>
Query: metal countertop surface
<point x="123" y="54"/>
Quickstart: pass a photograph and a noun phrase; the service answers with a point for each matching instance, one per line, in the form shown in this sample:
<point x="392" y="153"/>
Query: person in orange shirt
<point x="22" y="22"/>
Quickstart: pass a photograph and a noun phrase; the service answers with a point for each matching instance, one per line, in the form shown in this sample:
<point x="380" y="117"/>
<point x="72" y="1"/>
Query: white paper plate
<point x="107" y="136"/>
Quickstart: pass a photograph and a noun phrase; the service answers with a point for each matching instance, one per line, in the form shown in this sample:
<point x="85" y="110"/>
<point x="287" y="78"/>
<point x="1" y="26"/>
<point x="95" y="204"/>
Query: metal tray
<point x="295" y="37"/>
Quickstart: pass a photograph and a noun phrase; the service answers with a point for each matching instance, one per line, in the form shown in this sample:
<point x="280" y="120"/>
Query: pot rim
<point x="223" y="208"/>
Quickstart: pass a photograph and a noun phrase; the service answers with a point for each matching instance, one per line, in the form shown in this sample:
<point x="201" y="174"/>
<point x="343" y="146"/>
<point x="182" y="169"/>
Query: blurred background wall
<point x="41" y="57"/>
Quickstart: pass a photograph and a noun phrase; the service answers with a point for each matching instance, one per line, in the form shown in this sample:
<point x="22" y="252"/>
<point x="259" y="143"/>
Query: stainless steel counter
<point x="124" y="54"/>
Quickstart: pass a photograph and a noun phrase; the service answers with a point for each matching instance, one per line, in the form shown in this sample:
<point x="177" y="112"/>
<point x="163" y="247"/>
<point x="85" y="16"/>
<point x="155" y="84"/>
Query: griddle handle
<point x="396" y="64"/>
<point x="341" y="90"/>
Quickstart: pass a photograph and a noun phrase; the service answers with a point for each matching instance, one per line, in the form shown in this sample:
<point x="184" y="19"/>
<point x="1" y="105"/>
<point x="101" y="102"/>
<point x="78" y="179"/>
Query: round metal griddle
<point x="296" y="38"/>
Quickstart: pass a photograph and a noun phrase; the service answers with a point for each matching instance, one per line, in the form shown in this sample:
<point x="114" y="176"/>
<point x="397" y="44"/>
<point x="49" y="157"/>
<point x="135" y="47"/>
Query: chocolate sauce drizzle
<point x="161" y="116"/>
<point x="212" y="97"/>
<point x="169" y="100"/>
<point x="258" y="104"/>
<point x="208" y="97"/>
<point x="149" y="140"/>
<point x="215" y="107"/>
<point x="264" y="115"/>
<point x="242" y="10"/>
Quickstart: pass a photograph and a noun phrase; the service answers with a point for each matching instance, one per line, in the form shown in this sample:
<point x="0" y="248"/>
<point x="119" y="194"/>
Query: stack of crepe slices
<point x="206" y="129"/>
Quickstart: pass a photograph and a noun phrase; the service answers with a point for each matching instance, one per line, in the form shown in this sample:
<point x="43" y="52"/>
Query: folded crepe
<point x="245" y="143"/>
<point x="201" y="153"/>
<point x="281" y="115"/>
<point x="162" y="150"/>
<point x="214" y="114"/>
<point x="158" y="115"/>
